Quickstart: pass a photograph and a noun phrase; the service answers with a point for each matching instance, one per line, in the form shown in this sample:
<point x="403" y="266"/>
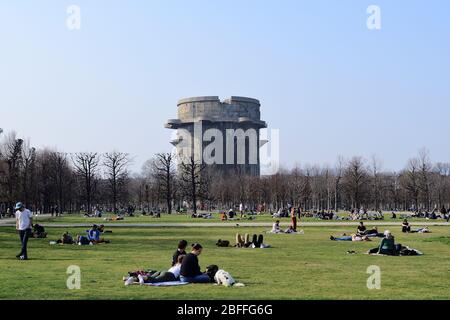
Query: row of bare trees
<point x="52" y="181"/>
<point x="353" y="183"/>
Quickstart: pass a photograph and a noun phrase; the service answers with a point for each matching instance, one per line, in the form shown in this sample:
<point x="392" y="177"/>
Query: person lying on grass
<point x="353" y="237"/>
<point x="370" y="233"/>
<point x="66" y="238"/>
<point x="244" y="242"/>
<point x="421" y="230"/>
<point x="172" y="275"/>
<point x="190" y="268"/>
<point x="116" y="218"/>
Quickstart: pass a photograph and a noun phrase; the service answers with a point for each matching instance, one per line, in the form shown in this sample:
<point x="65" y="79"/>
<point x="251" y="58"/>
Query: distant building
<point x="222" y="134"/>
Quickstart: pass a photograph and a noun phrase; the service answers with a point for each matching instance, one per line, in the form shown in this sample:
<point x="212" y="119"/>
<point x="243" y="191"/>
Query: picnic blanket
<point x="167" y="284"/>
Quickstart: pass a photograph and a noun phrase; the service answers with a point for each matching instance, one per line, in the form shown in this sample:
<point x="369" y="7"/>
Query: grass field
<point x="308" y="266"/>
<point x="184" y="218"/>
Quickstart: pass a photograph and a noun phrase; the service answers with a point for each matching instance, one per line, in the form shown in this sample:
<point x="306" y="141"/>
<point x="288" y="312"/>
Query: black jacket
<point x="190" y="267"/>
<point x="176" y="255"/>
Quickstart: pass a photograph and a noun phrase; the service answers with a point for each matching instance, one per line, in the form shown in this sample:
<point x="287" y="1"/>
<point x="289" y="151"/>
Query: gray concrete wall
<point x="233" y="113"/>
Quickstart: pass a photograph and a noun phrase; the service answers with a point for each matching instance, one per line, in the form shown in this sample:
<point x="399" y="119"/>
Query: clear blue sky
<point x="329" y="84"/>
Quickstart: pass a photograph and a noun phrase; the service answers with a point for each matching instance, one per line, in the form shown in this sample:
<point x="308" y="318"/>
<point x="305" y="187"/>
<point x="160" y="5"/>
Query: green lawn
<point x="184" y="218"/>
<point x="308" y="266"/>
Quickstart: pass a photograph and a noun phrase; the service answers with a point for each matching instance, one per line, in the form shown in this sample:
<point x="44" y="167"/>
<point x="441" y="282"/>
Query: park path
<point x="11" y="222"/>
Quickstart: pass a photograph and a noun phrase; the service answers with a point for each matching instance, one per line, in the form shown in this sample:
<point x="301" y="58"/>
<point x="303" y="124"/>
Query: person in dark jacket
<point x="181" y="251"/>
<point x="190" y="268"/>
<point x="406" y="226"/>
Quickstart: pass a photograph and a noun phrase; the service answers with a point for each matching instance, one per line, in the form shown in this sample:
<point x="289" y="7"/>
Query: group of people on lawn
<point x="185" y="268"/>
<point x="189" y="269"/>
<point x="387" y="245"/>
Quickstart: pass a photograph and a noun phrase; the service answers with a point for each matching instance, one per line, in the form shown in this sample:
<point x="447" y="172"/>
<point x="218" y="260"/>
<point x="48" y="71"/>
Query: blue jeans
<point x="348" y="238"/>
<point x="24" y="234"/>
<point x="202" y="278"/>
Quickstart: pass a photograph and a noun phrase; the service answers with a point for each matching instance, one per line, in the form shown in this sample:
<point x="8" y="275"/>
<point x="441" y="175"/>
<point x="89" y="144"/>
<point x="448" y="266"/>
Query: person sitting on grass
<point x="172" y="275"/>
<point x="387" y="245"/>
<point x="39" y="232"/>
<point x="181" y="251"/>
<point x="223" y="216"/>
<point x="406" y="227"/>
<point x="94" y="235"/>
<point x="276" y="227"/>
<point x="362" y="230"/>
<point x="190" y="268"/>
<point x="353" y="237"/>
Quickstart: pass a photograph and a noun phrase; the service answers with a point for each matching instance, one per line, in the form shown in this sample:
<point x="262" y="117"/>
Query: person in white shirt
<point x="24" y="223"/>
<point x="241" y="210"/>
<point x="276" y="227"/>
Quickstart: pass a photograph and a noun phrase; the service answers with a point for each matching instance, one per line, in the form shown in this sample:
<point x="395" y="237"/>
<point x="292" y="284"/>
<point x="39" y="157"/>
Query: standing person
<point x="241" y="210"/>
<point x="190" y="269"/>
<point x="293" y="219"/>
<point x="24" y="222"/>
<point x="181" y="251"/>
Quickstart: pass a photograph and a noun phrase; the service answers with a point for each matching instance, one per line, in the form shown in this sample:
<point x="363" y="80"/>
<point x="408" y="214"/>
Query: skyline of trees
<point x="56" y="182"/>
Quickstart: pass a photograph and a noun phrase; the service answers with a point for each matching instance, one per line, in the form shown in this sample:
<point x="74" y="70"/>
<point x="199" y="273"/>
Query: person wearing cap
<point x="24" y="223"/>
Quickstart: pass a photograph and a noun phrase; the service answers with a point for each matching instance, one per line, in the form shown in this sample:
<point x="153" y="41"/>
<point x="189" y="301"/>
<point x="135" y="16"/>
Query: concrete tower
<point x="226" y="130"/>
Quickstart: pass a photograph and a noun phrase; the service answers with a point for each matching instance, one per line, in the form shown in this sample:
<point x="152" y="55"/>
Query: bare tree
<point x="164" y="172"/>
<point x="376" y="180"/>
<point x="86" y="166"/>
<point x="411" y="181"/>
<point x="28" y="171"/>
<point x="116" y="164"/>
<point x="194" y="180"/>
<point x="355" y="179"/>
<point x="12" y="153"/>
<point x="60" y="173"/>
<point x="338" y="173"/>
<point x="425" y="172"/>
